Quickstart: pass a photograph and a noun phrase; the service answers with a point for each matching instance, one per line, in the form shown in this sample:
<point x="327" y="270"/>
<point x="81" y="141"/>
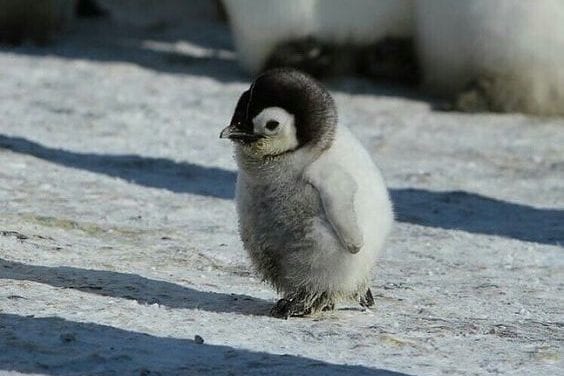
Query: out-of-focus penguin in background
<point x="502" y="55"/>
<point x="40" y="20"/>
<point x="325" y="37"/>
<point x="36" y="20"/>
<point x="482" y="55"/>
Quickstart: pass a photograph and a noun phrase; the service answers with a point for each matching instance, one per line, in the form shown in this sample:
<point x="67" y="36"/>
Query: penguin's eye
<point x="272" y="125"/>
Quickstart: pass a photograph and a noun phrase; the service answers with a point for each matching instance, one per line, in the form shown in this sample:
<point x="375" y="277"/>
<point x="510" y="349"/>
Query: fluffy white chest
<point x="292" y="238"/>
<point x="360" y="180"/>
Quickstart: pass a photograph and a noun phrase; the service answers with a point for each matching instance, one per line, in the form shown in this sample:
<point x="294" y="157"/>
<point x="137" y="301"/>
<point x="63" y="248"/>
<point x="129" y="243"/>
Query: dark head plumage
<point x="299" y="94"/>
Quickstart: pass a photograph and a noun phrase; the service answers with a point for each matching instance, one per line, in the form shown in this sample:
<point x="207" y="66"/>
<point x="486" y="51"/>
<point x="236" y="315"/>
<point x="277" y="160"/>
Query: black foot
<point x="367" y="300"/>
<point x="328" y="307"/>
<point x="297" y="305"/>
<point x="488" y="93"/>
<point x="285" y="308"/>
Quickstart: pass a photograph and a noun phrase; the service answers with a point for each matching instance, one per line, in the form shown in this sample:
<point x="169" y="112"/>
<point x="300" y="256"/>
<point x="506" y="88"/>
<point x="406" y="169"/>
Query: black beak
<point x="233" y="133"/>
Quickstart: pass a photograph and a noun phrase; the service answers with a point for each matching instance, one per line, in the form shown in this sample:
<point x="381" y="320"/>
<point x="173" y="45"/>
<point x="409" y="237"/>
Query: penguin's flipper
<point x="337" y="190"/>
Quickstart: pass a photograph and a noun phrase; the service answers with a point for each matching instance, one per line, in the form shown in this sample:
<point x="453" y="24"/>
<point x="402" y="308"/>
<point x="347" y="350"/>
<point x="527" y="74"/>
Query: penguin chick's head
<point x="282" y="111"/>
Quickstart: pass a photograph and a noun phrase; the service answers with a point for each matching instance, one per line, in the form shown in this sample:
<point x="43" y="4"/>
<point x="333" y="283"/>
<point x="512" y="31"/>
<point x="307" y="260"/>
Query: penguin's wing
<point x="337" y="190"/>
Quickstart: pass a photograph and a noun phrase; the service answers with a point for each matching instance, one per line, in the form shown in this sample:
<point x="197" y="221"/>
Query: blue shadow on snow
<point x="54" y="346"/>
<point x="451" y="210"/>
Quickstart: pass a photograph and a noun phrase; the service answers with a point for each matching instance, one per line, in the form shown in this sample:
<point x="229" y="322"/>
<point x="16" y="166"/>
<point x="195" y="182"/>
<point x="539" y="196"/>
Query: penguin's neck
<point x="290" y="165"/>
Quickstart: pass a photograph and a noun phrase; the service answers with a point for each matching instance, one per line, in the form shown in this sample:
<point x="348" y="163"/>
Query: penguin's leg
<point x="329" y="307"/>
<point x="367" y="300"/>
<point x="322" y="303"/>
<point x="495" y="93"/>
<point x="301" y="304"/>
<point x="289" y="306"/>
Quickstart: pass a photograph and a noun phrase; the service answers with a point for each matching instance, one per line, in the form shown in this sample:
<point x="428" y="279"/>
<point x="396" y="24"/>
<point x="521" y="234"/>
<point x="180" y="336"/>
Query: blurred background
<point x="476" y="55"/>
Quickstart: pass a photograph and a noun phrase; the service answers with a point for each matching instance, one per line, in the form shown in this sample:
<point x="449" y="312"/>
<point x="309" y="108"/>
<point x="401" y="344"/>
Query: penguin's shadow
<point x="474" y="213"/>
<point x="55" y="346"/>
<point x="178" y="177"/>
<point x="449" y="210"/>
<point x="133" y="287"/>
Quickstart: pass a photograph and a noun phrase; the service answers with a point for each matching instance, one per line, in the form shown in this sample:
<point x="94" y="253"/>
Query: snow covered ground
<point x="118" y="245"/>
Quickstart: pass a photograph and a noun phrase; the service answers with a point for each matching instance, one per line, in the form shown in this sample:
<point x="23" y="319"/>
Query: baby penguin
<point x="314" y="211"/>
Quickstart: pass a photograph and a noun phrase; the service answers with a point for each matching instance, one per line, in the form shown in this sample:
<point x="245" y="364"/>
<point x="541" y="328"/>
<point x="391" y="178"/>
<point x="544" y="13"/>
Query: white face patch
<point x="279" y="131"/>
